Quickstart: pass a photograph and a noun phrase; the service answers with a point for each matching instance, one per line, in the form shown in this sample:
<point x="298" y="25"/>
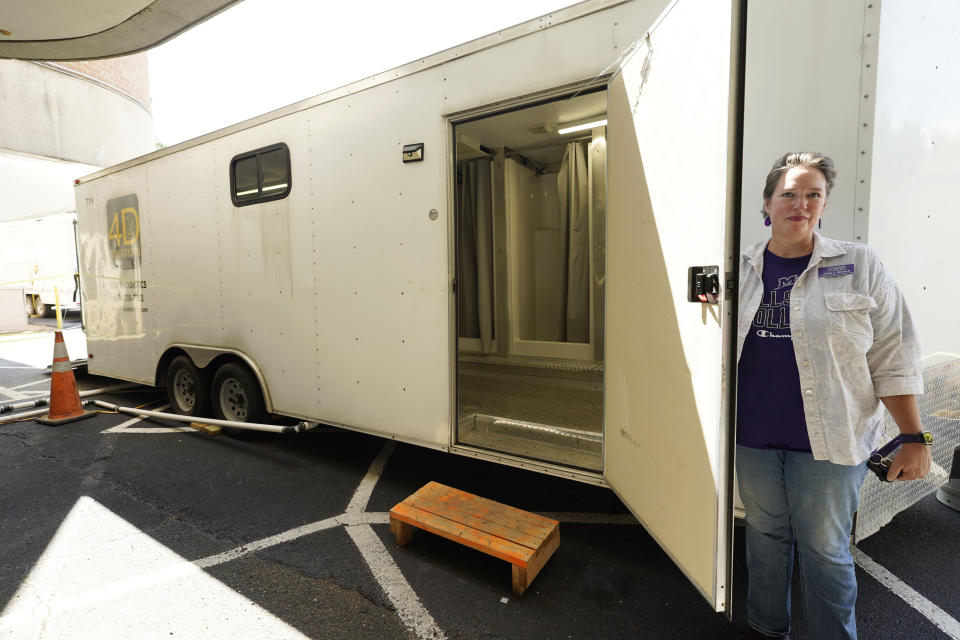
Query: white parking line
<point x="264" y="543"/>
<point x="126" y="427"/>
<point x="357" y="524"/>
<point x="362" y="495"/>
<point x="404" y="599"/>
<point x="13" y="394"/>
<point x="943" y="620"/>
<point x="356" y="521"/>
<point x="409" y="608"/>
<point x="44" y="380"/>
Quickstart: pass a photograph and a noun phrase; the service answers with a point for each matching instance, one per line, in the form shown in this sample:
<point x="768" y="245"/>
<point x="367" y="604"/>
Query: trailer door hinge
<point x="454" y="286"/>
<point x="729" y="287"/>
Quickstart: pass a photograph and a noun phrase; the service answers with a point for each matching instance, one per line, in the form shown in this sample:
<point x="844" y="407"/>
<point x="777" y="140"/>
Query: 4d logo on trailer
<point x="123" y="230"/>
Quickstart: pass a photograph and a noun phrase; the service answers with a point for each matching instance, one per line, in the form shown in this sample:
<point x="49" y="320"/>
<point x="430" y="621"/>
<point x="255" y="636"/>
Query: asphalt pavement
<point x="117" y="527"/>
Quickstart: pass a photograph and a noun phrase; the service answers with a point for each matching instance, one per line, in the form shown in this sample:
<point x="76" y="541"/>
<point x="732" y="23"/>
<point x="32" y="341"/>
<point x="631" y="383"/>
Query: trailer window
<point x="245" y="180"/>
<point x="260" y="175"/>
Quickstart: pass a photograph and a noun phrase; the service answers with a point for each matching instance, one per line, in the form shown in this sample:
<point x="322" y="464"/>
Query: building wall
<point x="127" y="75"/>
<point x="95" y="113"/>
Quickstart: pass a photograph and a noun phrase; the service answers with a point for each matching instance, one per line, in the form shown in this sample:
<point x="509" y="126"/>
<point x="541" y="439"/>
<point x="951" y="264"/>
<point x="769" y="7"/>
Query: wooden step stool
<point x="523" y="539"/>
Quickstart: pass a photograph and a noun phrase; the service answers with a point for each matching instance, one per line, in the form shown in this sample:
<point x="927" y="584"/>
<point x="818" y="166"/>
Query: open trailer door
<point x="672" y="166"/>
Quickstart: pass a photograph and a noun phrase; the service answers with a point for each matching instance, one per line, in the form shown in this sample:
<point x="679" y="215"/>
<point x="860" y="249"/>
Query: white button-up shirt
<point x="853" y="339"/>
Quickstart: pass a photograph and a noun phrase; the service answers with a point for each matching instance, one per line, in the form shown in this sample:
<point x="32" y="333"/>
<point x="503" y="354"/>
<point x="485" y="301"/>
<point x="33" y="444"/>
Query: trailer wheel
<point x="40" y="308"/>
<point x="236" y="394"/>
<point x="187" y="387"/>
<point x="28" y="305"/>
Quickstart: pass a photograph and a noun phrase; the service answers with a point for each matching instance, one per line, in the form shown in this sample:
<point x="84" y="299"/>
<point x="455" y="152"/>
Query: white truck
<point x="524" y="249"/>
<point x="40" y="257"/>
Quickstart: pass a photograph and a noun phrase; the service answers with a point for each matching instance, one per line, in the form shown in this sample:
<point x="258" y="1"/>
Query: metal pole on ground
<point x="252" y="426"/>
<point x="45" y="400"/>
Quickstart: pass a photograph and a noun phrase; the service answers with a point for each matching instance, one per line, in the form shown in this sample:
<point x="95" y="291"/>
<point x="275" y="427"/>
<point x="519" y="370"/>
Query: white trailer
<point x="40" y="257"/>
<point x="488" y="251"/>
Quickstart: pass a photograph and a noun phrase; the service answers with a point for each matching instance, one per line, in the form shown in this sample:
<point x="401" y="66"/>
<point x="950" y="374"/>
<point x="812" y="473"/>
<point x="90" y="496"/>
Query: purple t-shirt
<point x="769" y="404"/>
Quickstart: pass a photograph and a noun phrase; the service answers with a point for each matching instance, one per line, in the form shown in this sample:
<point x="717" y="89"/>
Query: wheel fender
<point x="203" y="355"/>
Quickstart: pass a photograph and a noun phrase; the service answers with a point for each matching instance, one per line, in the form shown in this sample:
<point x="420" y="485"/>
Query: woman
<point x="824" y="338"/>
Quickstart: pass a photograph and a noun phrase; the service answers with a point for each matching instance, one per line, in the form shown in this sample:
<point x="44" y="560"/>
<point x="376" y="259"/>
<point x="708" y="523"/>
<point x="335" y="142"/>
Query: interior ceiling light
<point x="583" y="125"/>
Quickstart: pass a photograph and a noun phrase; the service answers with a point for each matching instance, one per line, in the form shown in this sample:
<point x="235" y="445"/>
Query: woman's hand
<point x="911" y="462"/>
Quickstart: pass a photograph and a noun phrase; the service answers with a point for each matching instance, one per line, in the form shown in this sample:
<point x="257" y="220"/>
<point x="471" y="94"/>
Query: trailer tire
<point x="236" y="394"/>
<point x="188" y="388"/>
<point x="28" y="306"/>
<point x="40" y="308"/>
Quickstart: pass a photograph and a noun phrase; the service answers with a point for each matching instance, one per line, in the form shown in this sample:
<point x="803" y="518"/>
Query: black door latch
<point x="703" y="284"/>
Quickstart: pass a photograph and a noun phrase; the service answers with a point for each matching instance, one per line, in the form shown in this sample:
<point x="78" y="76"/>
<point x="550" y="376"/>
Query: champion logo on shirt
<point x="763" y="333"/>
<point x="772" y="319"/>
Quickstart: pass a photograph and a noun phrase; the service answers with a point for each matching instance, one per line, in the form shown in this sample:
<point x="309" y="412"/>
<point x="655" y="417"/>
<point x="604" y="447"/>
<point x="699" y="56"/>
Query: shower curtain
<point x="574" y="238"/>
<point x="475" y="253"/>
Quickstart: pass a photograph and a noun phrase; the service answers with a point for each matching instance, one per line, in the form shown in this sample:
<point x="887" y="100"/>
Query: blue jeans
<point x="790" y="497"/>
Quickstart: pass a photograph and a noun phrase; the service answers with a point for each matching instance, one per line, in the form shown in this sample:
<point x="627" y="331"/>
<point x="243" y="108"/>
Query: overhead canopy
<point x="90" y="29"/>
<point x="34" y="187"/>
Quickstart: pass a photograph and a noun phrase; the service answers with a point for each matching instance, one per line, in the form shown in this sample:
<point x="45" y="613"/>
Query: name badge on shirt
<point x="835" y="271"/>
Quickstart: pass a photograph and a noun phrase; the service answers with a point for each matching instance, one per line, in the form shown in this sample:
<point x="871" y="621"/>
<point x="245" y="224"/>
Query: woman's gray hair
<point x="812" y="159"/>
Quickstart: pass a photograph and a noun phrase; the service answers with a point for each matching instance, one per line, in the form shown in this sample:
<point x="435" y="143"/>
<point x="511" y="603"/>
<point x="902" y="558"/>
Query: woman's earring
<point x="766" y="221"/>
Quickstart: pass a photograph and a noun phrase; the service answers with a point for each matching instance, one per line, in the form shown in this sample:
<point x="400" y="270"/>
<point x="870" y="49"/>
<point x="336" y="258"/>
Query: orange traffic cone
<point x="64" y="396"/>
